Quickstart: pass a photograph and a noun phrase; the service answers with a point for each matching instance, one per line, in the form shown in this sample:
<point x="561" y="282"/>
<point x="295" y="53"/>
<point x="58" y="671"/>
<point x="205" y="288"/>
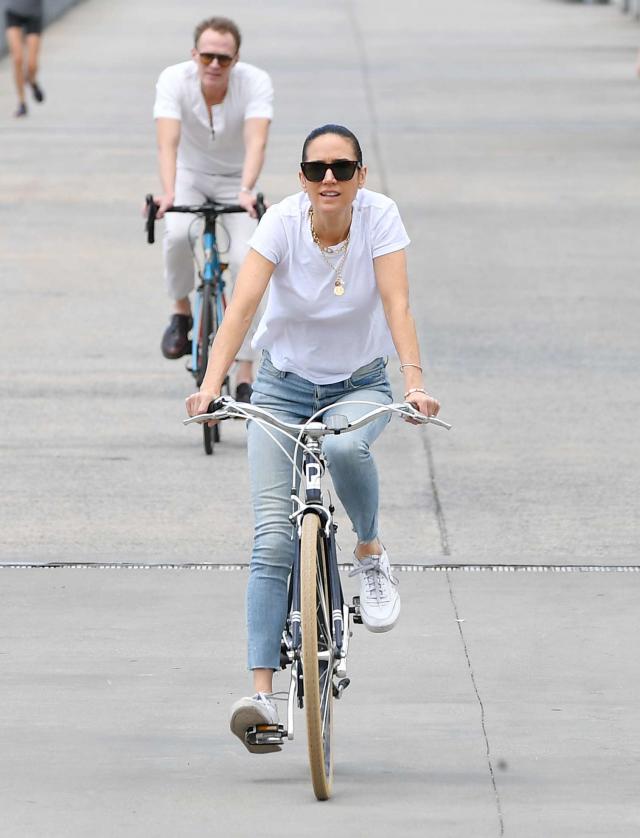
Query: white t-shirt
<point x="179" y="96"/>
<point x="306" y="328"/>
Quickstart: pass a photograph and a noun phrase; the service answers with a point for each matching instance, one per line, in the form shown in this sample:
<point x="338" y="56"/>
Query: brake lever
<point x="152" y="211"/>
<point x="410" y="412"/>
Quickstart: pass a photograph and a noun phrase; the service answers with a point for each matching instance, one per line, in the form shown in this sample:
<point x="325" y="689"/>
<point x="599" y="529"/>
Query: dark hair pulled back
<point x="341" y="131"/>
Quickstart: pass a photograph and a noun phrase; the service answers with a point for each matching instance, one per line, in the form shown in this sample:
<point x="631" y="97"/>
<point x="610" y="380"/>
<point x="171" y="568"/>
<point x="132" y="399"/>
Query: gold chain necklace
<point x="338" y="285"/>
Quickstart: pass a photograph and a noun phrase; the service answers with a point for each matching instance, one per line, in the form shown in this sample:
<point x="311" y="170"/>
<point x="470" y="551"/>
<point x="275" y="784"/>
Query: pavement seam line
<point x="398" y="568"/>
<point x="384" y="182"/>
<point x="480" y="703"/>
<point x="368" y="95"/>
<point x="439" y="511"/>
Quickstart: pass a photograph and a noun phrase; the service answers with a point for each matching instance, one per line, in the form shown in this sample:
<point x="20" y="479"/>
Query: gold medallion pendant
<point x="338" y="284"/>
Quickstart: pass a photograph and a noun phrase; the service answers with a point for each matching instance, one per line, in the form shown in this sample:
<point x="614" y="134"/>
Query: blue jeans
<point x="353" y="471"/>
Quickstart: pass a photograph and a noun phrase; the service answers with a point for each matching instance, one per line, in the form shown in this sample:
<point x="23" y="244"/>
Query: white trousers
<point x="233" y="232"/>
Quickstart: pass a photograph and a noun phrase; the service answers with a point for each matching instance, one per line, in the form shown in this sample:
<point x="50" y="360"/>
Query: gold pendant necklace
<point x="338" y="285"/>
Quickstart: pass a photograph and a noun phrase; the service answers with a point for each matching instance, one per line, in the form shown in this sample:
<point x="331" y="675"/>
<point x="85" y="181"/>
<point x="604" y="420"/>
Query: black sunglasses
<point x="223" y="60"/>
<point x="315" y="170"/>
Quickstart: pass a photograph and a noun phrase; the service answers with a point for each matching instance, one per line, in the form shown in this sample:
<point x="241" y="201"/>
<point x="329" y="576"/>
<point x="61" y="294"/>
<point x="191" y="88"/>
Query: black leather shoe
<point x="175" y="343"/>
<point x="243" y="392"/>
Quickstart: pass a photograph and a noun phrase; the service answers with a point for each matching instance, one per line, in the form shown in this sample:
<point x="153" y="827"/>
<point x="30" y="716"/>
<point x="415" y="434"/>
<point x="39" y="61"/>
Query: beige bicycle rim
<point x="313" y="588"/>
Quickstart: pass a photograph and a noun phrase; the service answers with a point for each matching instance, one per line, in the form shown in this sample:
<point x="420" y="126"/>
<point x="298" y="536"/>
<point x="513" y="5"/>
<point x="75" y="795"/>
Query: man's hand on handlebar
<point x="255" y="205"/>
<point x="248" y="201"/>
<point x="163" y="202"/>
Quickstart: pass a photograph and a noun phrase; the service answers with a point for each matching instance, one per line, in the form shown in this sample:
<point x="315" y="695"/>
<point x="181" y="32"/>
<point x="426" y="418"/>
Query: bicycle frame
<point x="211" y="277"/>
<point x="313" y="467"/>
<point x="211" y="287"/>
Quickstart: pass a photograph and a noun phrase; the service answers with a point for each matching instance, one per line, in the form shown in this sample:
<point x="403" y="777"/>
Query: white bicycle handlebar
<point x="241" y="410"/>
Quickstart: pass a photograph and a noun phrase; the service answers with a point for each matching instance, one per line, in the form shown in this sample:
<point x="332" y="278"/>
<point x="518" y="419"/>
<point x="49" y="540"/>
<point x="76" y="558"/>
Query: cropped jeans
<point x="353" y="471"/>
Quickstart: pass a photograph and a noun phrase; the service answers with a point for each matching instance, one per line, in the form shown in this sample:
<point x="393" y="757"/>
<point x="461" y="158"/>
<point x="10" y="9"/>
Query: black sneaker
<point x="243" y="392"/>
<point x="175" y="342"/>
<point x="21" y="110"/>
<point x="38" y="92"/>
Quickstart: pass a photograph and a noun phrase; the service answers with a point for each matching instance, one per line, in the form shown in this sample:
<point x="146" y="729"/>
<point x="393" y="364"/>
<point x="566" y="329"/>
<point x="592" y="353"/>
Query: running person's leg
<point x="15" y="41"/>
<point x="34" y="41"/>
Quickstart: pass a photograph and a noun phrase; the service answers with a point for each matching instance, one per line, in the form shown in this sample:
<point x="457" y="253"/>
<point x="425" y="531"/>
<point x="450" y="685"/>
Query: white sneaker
<point x="247" y="712"/>
<point x="379" y="598"/>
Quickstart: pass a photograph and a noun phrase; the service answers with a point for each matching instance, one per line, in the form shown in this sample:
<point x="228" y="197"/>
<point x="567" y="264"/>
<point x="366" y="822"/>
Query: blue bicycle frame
<point x="211" y="276"/>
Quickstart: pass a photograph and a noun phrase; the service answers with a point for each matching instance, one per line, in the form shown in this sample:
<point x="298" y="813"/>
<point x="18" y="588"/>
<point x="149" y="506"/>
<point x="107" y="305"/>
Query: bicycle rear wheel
<point x="317" y="654"/>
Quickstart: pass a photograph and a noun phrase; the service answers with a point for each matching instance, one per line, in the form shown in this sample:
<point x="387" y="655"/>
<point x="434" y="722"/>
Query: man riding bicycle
<point x="212" y="118"/>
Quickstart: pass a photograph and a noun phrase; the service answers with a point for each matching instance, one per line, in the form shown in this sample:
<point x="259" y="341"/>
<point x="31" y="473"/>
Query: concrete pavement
<point x="508" y="136"/>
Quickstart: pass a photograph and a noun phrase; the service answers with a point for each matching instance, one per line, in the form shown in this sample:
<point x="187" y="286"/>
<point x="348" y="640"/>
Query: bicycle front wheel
<point x="205" y="336"/>
<point x="317" y="654"/>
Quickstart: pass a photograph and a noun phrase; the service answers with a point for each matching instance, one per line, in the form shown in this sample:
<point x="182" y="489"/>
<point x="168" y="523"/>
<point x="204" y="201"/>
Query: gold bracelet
<point x="417" y="366"/>
<point x="415" y="390"/>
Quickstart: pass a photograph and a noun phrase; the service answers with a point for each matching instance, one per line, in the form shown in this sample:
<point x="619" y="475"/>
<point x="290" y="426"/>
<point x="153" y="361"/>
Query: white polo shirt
<point x="306" y="328"/>
<point x="221" y="152"/>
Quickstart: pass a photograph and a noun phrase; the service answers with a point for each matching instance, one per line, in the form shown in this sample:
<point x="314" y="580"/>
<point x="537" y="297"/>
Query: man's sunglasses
<point x="315" y="170"/>
<point x="223" y="60"/>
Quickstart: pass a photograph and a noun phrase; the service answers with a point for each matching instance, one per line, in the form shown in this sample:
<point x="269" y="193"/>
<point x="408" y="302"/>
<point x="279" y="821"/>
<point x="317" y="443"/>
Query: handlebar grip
<point x="152" y="209"/>
<point x="260" y="207"/>
<point x="216" y="404"/>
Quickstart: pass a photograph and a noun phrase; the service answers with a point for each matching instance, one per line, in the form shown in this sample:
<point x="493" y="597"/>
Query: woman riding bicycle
<point x="338" y="306"/>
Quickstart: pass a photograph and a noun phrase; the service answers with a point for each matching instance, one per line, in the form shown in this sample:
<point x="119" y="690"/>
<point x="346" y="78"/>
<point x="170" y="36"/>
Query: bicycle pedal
<point x="340" y="687"/>
<point x="266" y="735"/>
<point x="285" y="658"/>
<point x="354" y="610"/>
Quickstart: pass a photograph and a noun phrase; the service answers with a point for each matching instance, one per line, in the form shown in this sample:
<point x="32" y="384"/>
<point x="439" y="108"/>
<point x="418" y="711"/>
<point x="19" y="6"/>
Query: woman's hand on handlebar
<point x="426" y="404"/>
<point x="198" y="403"/>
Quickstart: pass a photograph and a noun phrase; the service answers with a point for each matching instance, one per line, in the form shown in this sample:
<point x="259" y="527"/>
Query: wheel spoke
<point x="324" y="700"/>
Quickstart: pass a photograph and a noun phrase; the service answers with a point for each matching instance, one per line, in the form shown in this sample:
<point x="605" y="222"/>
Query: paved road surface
<point x="507" y="132"/>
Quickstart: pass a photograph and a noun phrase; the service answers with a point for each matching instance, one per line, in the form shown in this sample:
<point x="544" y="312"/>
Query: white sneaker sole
<point x="245" y="716"/>
<point x="387" y="625"/>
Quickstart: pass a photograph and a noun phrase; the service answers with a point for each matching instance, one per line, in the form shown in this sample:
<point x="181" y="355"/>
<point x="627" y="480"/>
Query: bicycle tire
<point x="215" y="325"/>
<point x="208" y="439"/>
<point x="204" y="339"/>
<point x="204" y="334"/>
<point x="317" y="674"/>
